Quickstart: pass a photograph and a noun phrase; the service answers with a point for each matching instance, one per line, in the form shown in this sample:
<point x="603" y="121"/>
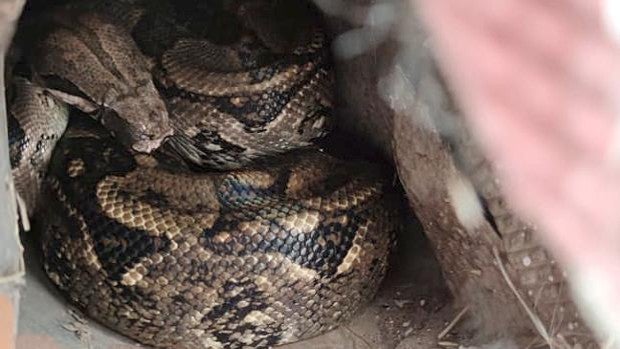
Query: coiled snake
<point x="157" y="242"/>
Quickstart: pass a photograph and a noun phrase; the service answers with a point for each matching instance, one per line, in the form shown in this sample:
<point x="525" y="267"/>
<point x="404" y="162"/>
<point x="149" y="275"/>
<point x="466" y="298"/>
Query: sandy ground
<point x="410" y="310"/>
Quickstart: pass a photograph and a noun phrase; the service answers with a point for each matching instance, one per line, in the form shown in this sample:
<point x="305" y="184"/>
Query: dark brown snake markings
<point x="271" y="253"/>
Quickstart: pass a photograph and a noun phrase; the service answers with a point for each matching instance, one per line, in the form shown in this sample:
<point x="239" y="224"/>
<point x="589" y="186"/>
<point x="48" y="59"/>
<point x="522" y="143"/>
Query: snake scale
<point x="191" y="210"/>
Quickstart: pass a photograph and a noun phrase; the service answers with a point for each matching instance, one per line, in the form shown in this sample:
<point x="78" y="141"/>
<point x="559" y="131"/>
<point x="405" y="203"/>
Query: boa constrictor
<point x="190" y="211"/>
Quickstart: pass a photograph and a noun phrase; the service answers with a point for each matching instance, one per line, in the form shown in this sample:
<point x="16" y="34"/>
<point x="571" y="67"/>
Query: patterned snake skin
<point x="286" y="243"/>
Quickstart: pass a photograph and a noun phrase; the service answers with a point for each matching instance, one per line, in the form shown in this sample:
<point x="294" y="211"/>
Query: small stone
<point x="400" y="303"/>
<point x="408" y="332"/>
<point x="476" y="272"/>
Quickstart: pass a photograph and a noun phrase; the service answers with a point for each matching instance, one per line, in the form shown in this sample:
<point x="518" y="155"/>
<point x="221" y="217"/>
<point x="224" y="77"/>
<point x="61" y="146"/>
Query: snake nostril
<point x="155" y="116"/>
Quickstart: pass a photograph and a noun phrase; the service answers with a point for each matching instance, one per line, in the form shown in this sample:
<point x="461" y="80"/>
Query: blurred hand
<point x="540" y="84"/>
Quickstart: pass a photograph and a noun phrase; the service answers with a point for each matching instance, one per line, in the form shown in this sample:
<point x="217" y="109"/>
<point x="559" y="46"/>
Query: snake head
<point x="138" y="118"/>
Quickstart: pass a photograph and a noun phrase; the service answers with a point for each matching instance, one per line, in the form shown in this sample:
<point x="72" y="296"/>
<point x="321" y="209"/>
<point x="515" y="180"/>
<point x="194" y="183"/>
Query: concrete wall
<point x="11" y="262"/>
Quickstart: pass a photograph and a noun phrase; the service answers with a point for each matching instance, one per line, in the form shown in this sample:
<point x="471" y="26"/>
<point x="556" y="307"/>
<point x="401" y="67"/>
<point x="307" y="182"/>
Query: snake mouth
<point x="147" y="143"/>
<point x="147" y="146"/>
<point x="134" y="136"/>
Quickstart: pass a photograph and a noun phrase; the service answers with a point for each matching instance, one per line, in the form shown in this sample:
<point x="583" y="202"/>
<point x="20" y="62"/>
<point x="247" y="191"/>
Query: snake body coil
<point x="275" y="249"/>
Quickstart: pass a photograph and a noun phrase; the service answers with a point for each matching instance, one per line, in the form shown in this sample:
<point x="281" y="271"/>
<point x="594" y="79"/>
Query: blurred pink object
<point x="540" y="84"/>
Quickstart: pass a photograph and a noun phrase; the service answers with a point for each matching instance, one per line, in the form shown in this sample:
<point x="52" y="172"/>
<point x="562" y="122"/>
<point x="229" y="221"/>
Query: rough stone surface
<point x="409" y="114"/>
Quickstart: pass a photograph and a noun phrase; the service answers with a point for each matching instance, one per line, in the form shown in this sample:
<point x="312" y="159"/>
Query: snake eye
<point x="142" y="88"/>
